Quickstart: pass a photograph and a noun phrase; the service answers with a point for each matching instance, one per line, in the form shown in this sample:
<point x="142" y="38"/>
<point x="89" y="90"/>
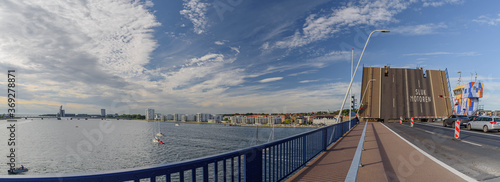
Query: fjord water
<point x="51" y="146"/>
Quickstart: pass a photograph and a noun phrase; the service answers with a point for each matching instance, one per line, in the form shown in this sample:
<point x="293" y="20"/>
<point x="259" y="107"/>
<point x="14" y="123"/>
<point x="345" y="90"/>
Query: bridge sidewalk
<point x="333" y="164"/>
<point x="386" y="158"/>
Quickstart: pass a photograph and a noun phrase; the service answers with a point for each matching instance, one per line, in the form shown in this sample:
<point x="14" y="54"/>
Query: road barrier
<point x="411" y="122"/>
<point x="457" y="129"/>
<point x="401" y="120"/>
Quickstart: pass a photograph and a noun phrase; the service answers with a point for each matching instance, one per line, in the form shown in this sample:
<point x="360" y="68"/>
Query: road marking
<point x="472" y="143"/>
<point x="479" y="133"/>
<point x="430" y="132"/>
<point x="446" y="166"/>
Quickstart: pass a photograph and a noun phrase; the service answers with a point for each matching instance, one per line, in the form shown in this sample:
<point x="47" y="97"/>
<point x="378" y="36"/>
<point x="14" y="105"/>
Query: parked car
<point x="471" y="118"/>
<point x="485" y="123"/>
<point x="450" y="121"/>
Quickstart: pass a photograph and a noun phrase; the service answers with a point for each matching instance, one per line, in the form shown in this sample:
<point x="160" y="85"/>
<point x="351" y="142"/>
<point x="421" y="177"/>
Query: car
<point x="485" y="123"/>
<point x="450" y="121"/>
<point x="472" y="118"/>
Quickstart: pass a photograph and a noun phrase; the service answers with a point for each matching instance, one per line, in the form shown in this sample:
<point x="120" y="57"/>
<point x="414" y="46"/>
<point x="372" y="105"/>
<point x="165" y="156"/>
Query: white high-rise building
<point x="103" y="112"/>
<point x="202" y="117"/>
<point x="150" y="114"/>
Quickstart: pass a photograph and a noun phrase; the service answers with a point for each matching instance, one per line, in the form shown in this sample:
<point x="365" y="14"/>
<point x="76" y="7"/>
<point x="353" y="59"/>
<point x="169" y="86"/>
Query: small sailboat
<point x="18" y="170"/>
<point x="159" y="130"/>
<point x="177" y="124"/>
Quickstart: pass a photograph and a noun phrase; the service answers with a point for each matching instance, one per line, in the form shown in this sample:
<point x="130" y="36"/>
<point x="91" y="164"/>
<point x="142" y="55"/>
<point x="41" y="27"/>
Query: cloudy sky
<point x="227" y="56"/>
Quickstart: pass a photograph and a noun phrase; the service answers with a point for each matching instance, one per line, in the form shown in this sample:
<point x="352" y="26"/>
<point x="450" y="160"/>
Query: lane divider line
<point x="446" y="166"/>
<point x="472" y="143"/>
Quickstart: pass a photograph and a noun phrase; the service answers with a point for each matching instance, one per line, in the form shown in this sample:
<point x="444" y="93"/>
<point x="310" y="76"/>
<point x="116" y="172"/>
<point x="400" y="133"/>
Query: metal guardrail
<point x="356" y="161"/>
<point x="273" y="161"/>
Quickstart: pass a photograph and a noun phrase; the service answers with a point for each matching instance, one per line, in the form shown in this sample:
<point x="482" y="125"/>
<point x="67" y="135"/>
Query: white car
<point x="485" y="123"/>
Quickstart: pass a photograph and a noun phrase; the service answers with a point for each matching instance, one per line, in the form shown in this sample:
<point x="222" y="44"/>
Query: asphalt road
<point x="475" y="154"/>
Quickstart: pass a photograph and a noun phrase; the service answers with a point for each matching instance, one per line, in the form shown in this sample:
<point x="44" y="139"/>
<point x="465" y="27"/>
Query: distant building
<point x="191" y="117"/>
<point x="202" y="117"/>
<point x="150" y="114"/>
<point x="159" y="116"/>
<point x="63" y="114"/>
<point x="176" y="117"/>
<point x="184" y="117"/>
<point x="169" y="117"/>
<point x="103" y="112"/>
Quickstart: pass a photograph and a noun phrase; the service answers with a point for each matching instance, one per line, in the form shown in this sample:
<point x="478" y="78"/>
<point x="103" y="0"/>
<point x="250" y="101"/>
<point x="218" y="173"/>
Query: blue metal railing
<point x="273" y="161"/>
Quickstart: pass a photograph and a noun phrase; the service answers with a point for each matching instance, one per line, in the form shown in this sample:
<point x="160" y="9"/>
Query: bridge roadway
<point x="387" y="156"/>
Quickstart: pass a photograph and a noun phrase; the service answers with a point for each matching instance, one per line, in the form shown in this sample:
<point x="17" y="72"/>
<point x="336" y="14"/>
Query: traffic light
<point x="353" y="102"/>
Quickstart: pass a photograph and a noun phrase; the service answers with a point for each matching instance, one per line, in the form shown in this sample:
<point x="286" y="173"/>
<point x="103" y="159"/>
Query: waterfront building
<point x="217" y="118"/>
<point x="202" y="117"/>
<point x="103" y="112"/>
<point x="176" y="117"/>
<point x="158" y="116"/>
<point x="150" y="114"/>
<point x="324" y="119"/>
<point x="191" y="117"/>
<point x="184" y="118"/>
<point x="169" y="117"/>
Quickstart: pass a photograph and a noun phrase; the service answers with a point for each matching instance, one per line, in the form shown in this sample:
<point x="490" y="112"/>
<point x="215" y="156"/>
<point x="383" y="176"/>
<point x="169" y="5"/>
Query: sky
<point x="233" y="56"/>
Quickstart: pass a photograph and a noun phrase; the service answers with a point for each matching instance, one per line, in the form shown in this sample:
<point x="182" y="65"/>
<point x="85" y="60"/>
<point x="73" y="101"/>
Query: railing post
<point x="325" y="138"/>
<point x="304" y="149"/>
<point x="253" y="165"/>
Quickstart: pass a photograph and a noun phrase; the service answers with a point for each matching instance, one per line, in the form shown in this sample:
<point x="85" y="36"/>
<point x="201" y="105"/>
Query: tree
<point x="287" y="121"/>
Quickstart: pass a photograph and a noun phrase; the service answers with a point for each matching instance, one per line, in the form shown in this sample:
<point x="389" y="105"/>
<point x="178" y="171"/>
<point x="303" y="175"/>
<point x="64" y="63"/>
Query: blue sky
<point x="228" y="56"/>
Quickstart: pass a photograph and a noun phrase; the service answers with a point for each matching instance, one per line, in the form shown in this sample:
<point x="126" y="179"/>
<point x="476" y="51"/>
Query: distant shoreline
<point x="244" y="125"/>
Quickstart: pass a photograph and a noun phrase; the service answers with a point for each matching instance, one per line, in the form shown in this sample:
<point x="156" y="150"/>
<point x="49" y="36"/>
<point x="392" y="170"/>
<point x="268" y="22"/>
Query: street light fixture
<point x="352" y="78"/>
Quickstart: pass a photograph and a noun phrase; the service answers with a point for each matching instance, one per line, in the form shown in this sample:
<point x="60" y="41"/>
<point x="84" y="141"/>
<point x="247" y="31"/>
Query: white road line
<point x="472" y="143"/>
<point x="430" y="132"/>
<point x="462" y="130"/>
<point x="446" y="166"/>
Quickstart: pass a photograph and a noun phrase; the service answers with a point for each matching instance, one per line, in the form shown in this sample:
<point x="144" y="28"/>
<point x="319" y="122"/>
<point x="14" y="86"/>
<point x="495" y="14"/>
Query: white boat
<point x="159" y="134"/>
<point x="177" y="124"/>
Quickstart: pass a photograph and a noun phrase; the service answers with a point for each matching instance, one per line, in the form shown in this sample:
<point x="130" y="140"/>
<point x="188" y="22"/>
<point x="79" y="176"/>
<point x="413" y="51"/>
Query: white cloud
<point x="320" y="27"/>
<point x="443" y="53"/>
<point x="270" y="79"/>
<point x="62" y="33"/>
<point x="436" y="3"/>
<point x="87" y="50"/>
<point x="265" y="46"/>
<point x="196" y="11"/>
<point x="308" y="81"/>
<point x="304" y="72"/>
<point x="423" y="29"/>
<point x="488" y="20"/>
<point x="219" y="42"/>
<point x="235" y="49"/>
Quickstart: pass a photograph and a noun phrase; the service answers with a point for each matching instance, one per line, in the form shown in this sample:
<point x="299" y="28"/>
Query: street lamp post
<point x="352" y="78"/>
<point x="366" y="88"/>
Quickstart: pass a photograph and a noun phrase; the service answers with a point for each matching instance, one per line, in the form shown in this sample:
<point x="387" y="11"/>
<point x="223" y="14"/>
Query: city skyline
<point x="196" y="56"/>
